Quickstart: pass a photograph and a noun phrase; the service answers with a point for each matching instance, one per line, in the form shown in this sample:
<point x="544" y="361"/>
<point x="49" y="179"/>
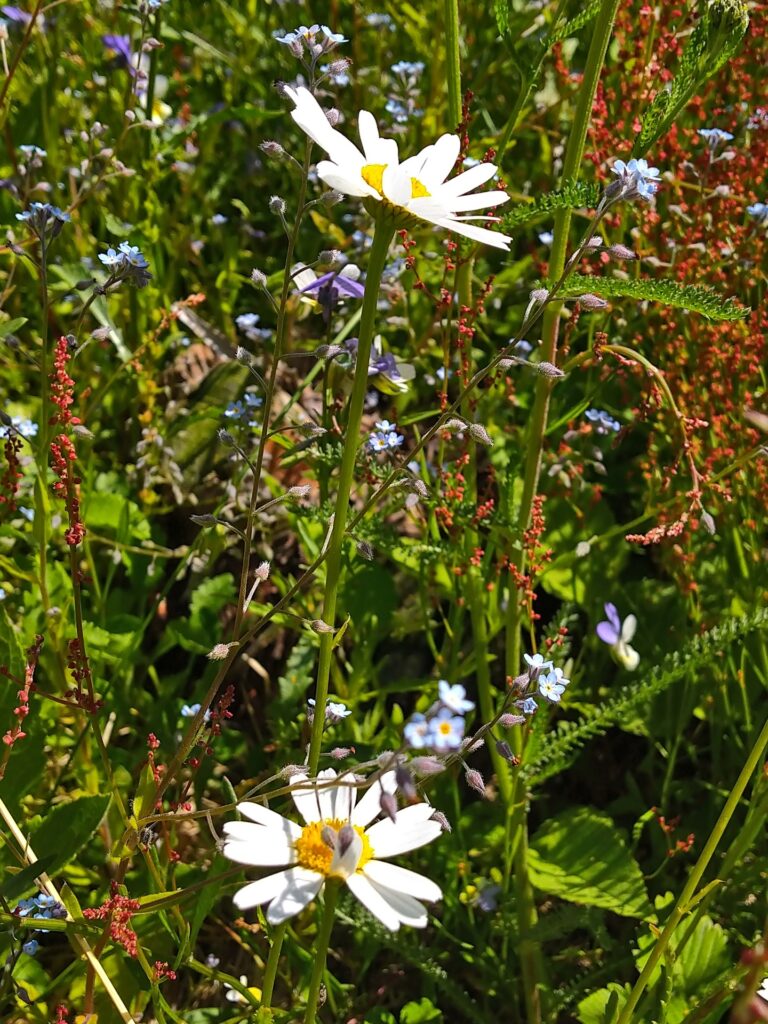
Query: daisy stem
<point x="270" y="972"/>
<point x="321" y="948"/>
<point x="453" y="62"/>
<point x="551" y="324"/>
<point x="688" y="895"/>
<point x="382" y="236"/>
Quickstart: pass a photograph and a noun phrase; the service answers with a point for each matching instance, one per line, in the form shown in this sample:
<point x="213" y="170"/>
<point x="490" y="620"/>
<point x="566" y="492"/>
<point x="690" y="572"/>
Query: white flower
<point x="417" y="186"/>
<point x="337" y="841"/>
<point x="537" y="663"/>
<point x="453" y="697"/>
<point x="552" y="687"/>
<point x="763" y="990"/>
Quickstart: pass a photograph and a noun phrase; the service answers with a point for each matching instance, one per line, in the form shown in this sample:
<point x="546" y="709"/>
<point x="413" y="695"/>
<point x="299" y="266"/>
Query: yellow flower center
<point x="418" y="190"/>
<point x="372" y="174"/>
<point x="445" y="728"/>
<point x="314" y="853"/>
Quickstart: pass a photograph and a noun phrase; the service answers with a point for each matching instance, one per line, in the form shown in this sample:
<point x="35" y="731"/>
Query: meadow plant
<point x="352" y="370"/>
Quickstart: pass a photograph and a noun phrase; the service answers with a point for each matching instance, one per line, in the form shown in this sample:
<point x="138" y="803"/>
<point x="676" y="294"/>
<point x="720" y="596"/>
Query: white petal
<point x="376" y="149"/>
<point x="345" y="864"/>
<point x="469" y="180"/>
<point x="478" y="201"/>
<point x="310" y="117"/>
<point x="494" y="238"/>
<point x="409" y="910"/>
<point x="312" y="802"/>
<point x="271" y="850"/>
<point x="370" y="805"/>
<point x="263" y="816"/>
<point x="389" y="838"/>
<point x="344" y="181"/>
<point x="402" y="880"/>
<point x="373" y="901"/>
<point x="440" y="162"/>
<point x="396" y="185"/>
<point x="628" y="628"/>
<point x="256" y="893"/>
<point x="414" y="165"/>
<point x="301" y="889"/>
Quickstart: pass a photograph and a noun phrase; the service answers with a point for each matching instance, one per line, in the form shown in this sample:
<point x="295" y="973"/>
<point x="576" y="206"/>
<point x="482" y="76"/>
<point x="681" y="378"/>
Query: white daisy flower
<point x="417" y="187"/>
<point x="336" y="841"/>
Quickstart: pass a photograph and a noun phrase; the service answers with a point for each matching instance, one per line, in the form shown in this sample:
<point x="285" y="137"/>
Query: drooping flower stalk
<point x="383" y="234"/>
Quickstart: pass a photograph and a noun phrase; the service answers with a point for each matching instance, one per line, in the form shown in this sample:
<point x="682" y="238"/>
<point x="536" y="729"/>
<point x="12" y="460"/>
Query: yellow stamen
<point x="445" y="728"/>
<point x="418" y="191"/>
<point x="313" y="853"/>
<point x="372" y="174"/>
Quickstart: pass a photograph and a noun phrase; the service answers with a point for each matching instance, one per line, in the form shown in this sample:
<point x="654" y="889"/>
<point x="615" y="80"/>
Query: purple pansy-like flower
<point x="617" y="635"/>
<point x="122" y="48"/>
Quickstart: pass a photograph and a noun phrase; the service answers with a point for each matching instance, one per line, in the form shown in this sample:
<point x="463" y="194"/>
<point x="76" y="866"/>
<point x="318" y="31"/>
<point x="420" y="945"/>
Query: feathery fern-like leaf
<point x="579" y="21"/>
<point x="559" y="750"/>
<point x="695" y="297"/>
<point x="573" y="195"/>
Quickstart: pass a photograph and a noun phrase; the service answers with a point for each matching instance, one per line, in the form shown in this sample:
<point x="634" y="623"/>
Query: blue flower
<point x="190" y="710"/>
<point x="30" y="152"/>
<point x="42" y="216"/>
<point x="636" y="178"/>
<point x="133" y="255"/>
<point x="111" y="258"/>
<point x="446" y="730"/>
<point x="601" y="422"/>
<point x="453" y="697"/>
<point x="247" y="323"/>
<point x="546" y="237"/>
<point x="30" y="947"/>
<point x="334" y="711"/>
<point x="759" y="211"/>
<point x="127" y="263"/>
<point x="20" y="425"/>
<point x="121" y="46"/>
<point x="715" y="136"/>
<point x="218" y="219"/>
<point x="537" y="664"/>
<point x="552" y="685"/>
<point x="385" y="438"/>
<point x="408" y="68"/>
<point x="380" y="21"/>
<point x="3" y="594"/>
<point x="528" y="706"/>
<point x="416" y="731"/>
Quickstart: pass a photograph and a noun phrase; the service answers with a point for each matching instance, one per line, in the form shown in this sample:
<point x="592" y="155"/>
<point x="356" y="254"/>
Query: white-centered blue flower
<point x="454" y="697"/>
<point x="637" y="178"/>
<point x="759" y="211"/>
<point x="418" y="187"/>
<point x="551" y="687"/>
<point x="20" y="425"/>
<point x="416" y="731"/>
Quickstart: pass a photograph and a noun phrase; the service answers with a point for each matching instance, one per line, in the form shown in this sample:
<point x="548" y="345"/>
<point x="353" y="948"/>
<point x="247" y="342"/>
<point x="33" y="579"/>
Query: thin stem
<point x="321" y="949"/>
<point x="41" y="527"/>
<point x="270" y="972"/>
<point x="382" y="236"/>
<point x="562" y="222"/>
<point x="687" y="895"/>
<point x="453" y="61"/>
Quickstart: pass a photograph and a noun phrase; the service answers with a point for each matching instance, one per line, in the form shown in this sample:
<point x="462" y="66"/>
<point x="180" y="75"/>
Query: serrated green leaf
<point x="579" y="21"/>
<point x="694" y="297"/>
<point x="67" y="828"/>
<point x="573" y="195"/>
<point x="582" y="857"/>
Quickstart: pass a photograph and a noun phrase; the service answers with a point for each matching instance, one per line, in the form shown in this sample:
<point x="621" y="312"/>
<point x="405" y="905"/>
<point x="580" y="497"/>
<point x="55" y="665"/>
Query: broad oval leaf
<point x="67" y="829"/>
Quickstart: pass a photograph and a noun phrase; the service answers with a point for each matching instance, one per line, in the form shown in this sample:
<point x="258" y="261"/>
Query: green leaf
<point x="600" y="1007"/>
<point x="12" y="325"/>
<point x="694" y="297"/>
<point x="423" y="1012"/>
<point x="571" y="27"/>
<point x="11" y="655"/>
<point x="581" y="856"/>
<point x="67" y="828"/>
<point x="114" y="514"/>
<point x="572" y="196"/>
<point x="15" y="885"/>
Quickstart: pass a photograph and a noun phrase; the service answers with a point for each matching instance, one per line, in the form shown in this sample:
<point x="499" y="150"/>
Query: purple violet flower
<point x="617" y="635"/>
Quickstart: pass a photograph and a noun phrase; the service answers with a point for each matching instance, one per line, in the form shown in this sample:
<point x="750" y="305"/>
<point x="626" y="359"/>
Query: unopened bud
<point x="338" y="67"/>
<point x="300" y="491"/>
<point x="259" y="278"/>
<point x="290" y="770"/>
<point x="80" y="430"/>
<point x="388" y="805"/>
<point x="427" y="766"/>
<point x="455" y="425"/>
<point x="130" y="115"/>
<point x="539" y="295"/>
<point x="321" y="627"/>
<point x="478" y="433"/>
<point x="329" y="256"/>
<point x="152" y="44"/>
<point x="594" y="243"/>
<point x="333" y="116"/>
<point x="547" y="369"/>
<point x="419" y="486"/>
<point x="346" y="838"/>
<point x="590" y="301"/>
<point x="506" y="751"/>
<point x="219" y="652"/>
<point x="621" y="252"/>
<point x="442" y="821"/>
<point x="328" y="351"/>
<point x="272" y="149"/>
<point x="475" y="781"/>
<point x="508" y="721"/>
<point x="242" y="355"/>
<point x="226" y="438"/>
<point x="85" y="284"/>
<point x="520" y="683"/>
<point x="365" y="550"/>
<point x="328" y="836"/>
<point x="405" y="784"/>
<point x="277" y="206"/>
<point x="100" y="334"/>
<point x="339" y="753"/>
<point x="708" y="522"/>
<point x="204" y="520"/>
<point x="471" y="745"/>
<point x="261" y="572"/>
<point x="331" y="197"/>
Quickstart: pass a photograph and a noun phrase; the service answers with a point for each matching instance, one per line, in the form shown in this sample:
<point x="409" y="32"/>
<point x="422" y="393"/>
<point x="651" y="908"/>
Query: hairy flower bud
<point x="277" y="206"/>
<point x="261" y="572"/>
<point x="259" y="278"/>
<point x="708" y="523"/>
<point x="546" y="369"/>
<point x="388" y="805"/>
<point x="299" y="491"/>
<point x="331" y="197"/>
<point x="365" y="550"/>
<point x="339" y="753"/>
<point x="442" y="821"/>
<point x="508" y="721"/>
<point x="405" y="784"/>
<point x="506" y="752"/>
<point x="478" y="433"/>
<point x="427" y="766"/>
<point x="321" y="627"/>
<point x="475" y="780"/>
<point x="621" y="252"/>
<point x="590" y="301"/>
<point x="226" y="438"/>
<point x="204" y="520"/>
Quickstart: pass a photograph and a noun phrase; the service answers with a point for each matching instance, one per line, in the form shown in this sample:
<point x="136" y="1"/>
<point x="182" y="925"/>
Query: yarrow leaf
<point x="694" y="297"/>
<point x="572" y="195"/>
<point x="579" y="21"/>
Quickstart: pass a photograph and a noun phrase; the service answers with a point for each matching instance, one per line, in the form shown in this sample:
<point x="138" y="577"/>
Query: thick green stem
<point x="321" y="949"/>
<point x="686" y="897"/>
<point x="562" y="222"/>
<point x="270" y="972"/>
<point x="382" y="236"/>
<point x="452" y="61"/>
